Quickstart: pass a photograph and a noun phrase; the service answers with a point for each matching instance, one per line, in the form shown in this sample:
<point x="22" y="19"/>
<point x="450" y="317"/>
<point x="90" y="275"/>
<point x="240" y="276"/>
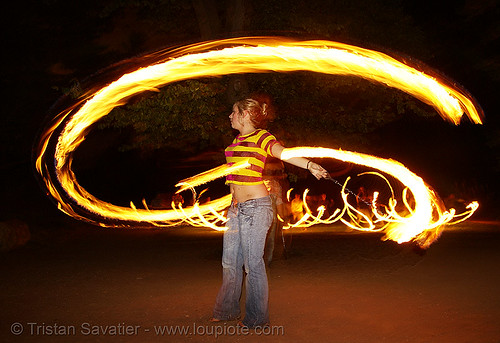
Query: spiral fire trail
<point x="246" y="55"/>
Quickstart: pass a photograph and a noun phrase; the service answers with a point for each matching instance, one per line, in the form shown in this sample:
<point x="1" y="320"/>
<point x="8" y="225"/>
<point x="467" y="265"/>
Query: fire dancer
<point x="250" y="214"/>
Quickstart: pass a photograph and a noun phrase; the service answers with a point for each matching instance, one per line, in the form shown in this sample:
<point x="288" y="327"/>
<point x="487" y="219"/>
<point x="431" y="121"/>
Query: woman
<point x="250" y="214"/>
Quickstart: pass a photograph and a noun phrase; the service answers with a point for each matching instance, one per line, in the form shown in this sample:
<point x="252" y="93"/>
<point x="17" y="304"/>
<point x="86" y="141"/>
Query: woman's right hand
<point x="318" y="171"/>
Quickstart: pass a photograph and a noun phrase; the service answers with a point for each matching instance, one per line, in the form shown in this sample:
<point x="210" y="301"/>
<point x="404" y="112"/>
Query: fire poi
<point x="421" y="220"/>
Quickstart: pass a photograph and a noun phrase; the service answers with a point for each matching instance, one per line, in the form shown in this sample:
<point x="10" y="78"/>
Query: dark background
<point x="50" y="46"/>
<point x="332" y="284"/>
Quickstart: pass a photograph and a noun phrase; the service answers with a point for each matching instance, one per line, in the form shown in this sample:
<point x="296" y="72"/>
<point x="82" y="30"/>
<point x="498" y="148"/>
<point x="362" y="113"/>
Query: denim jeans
<point x="244" y="242"/>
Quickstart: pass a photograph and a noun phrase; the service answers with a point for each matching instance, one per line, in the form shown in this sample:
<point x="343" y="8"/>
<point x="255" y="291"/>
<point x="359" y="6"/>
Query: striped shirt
<point x="254" y="147"/>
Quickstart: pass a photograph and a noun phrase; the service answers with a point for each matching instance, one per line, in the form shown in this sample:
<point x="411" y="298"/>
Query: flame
<point x="244" y="55"/>
<point x="210" y="175"/>
<point x="422" y="221"/>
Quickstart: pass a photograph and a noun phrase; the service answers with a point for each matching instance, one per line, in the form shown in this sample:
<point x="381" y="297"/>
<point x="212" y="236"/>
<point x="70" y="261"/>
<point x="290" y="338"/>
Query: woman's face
<point x="236" y="119"/>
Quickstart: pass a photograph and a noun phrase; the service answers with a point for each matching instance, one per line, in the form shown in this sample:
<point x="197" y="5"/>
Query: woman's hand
<point x="302" y="162"/>
<point x="317" y="170"/>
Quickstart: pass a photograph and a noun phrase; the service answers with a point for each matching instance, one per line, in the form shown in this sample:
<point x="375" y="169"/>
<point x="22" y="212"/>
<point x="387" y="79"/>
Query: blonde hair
<point x="260" y="109"/>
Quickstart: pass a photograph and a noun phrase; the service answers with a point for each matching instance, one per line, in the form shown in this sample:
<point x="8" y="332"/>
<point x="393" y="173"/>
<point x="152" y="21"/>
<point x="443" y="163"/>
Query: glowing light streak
<point x="422" y="222"/>
<point x="210" y="175"/>
<point x="424" y="199"/>
<point x="245" y="55"/>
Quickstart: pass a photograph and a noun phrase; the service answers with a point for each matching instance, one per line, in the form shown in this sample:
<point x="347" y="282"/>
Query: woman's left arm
<point x="301" y="162"/>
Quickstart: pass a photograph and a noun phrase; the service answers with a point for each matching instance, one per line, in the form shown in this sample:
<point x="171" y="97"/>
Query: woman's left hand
<point x="318" y="171"/>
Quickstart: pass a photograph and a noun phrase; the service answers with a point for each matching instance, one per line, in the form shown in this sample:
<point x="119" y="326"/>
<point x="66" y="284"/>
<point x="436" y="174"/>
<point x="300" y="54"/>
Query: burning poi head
<point x="67" y="131"/>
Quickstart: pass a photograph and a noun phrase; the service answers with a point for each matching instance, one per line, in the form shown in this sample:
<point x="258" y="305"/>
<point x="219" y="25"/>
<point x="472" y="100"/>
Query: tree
<point x="337" y="109"/>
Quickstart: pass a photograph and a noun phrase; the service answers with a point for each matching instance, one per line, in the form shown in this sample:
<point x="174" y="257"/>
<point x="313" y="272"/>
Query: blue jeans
<point x="244" y="242"/>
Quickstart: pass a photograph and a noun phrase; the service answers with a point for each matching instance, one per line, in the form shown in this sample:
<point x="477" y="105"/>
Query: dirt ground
<point x="79" y="283"/>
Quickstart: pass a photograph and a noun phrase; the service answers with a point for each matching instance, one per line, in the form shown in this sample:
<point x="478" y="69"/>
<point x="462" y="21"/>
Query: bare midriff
<point x="242" y="193"/>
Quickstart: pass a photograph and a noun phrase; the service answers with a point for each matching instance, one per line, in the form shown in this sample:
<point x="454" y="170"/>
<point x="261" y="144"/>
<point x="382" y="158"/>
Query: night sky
<point x="48" y="45"/>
